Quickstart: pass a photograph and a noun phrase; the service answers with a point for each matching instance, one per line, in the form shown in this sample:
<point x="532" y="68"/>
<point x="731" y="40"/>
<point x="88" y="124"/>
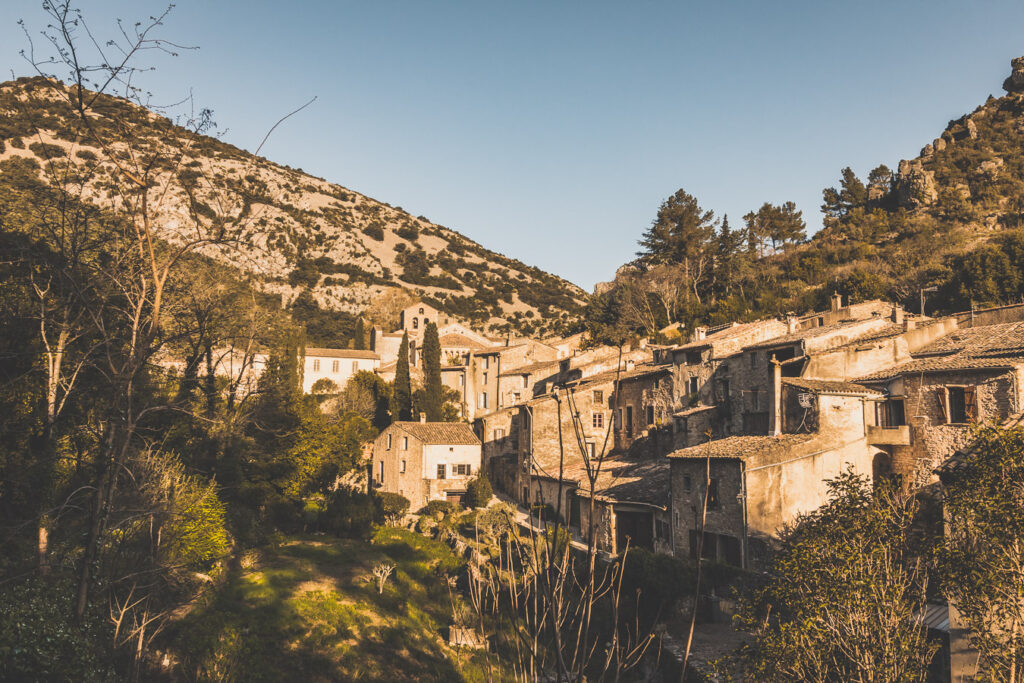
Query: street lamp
<point x="923" y="290"/>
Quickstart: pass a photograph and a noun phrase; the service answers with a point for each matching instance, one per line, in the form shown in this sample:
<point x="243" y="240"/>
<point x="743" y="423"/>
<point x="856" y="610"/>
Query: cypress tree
<point x="359" y="336"/>
<point x="432" y="374"/>
<point x="402" y="409"/>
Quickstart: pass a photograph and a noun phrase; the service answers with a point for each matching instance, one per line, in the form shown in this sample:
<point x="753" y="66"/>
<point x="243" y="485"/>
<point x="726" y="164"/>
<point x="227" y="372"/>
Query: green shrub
<point x="45" y="150"/>
<point x="351" y="514"/>
<point x="393" y="504"/>
<point x="478" y="492"/>
<point x="438" y="509"/>
<point x="374" y="231"/>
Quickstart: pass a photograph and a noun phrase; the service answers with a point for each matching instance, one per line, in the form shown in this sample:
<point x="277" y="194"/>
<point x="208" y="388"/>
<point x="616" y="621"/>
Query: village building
<point x="971" y="375"/>
<point x="758" y="483"/>
<point x="335" y="366"/>
<point x="425" y="461"/>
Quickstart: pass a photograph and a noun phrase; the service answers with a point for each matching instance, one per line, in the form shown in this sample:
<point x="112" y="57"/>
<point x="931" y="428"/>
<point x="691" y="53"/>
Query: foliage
<point x="351" y="514"/>
<point x="40" y="641"/>
<point x="401" y="404"/>
<point x="982" y="559"/>
<point x="438" y="509"/>
<point x="843" y="593"/>
<point x="393" y="505"/>
<point x="478" y="491"/>
<point x="433" y="396"/>
<point x="369" y="396"/>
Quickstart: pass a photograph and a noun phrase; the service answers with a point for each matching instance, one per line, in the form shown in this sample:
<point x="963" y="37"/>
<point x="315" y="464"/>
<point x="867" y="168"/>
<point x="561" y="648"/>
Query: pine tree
<point x="681" y="234"/>
<point x="433" y="392"/>
<point x="402" y="407"/>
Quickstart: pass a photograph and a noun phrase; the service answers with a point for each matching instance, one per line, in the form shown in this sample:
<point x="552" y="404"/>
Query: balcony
<point x="889" y="436"/>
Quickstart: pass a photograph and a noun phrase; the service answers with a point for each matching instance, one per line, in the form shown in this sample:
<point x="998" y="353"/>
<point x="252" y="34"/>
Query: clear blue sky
<point x="550" y="131"/>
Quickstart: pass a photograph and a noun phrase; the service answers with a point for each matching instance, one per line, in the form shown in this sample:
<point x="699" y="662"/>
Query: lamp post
<point x="923" y="290"/>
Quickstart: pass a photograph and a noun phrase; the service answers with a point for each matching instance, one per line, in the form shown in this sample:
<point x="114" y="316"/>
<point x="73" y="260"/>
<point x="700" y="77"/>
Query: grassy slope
<point x="307" y="611"/>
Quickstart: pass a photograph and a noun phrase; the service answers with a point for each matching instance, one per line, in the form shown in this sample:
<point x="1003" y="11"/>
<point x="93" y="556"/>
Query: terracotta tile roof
<point x="829" y="386"/>
<point x="443" y="433"/>
<point x="638" y="371"/>
<point x="530" y="368"/>
<point x="973" y="348"/>
<point x="459" y="341"/>
<point x="313" y="352"/>
<point x="743" y="447"/>
<point x="723" y="334"/>
<point x="693" y="410"/>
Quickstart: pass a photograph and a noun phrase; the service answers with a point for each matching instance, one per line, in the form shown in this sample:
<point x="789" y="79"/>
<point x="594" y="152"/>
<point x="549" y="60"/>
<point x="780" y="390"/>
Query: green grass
<point x="309" y="610"/>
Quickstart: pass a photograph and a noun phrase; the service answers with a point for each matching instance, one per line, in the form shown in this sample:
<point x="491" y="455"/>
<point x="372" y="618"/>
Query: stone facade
<point x="425" y="461"/>
<point x="336" y="365"/>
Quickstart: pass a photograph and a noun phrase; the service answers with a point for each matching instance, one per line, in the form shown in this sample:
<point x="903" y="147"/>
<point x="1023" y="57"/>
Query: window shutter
<point x="943" y="403"/>
<point x="971" y="403"/>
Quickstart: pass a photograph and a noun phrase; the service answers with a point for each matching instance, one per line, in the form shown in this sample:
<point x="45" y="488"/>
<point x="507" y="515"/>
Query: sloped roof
<point x="459" y="341"/>
<point x="813" y="332"/>
<point x="727" y="333"/>
<point x="829" y="386"/>
<point x="313" y="352"/>
<point x="743" y="447"/>
<point x="973" y="348"/>
<point x="441" y="433"/>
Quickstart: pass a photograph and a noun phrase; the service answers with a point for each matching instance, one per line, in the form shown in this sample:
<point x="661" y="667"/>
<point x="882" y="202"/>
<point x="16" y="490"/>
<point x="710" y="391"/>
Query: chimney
<point x="776" y="425"/>
<point x="423" y="418"/>
<point x="630" y="365"/>
<point x="897" y="315"/>
<point x="791" y="323"/>
<point x="837" y="301"/>
<point x="643" y="343"/>
<point x="699" y="333"/>
<point x="909" y="324"/>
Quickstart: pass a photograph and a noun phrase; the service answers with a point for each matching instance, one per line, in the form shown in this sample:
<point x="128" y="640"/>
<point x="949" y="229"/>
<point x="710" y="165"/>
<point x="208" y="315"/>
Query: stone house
<point x="970" y="375"/>
<point x="425" y="461"/>
<point x="758" y="483"/>
<point x="336" y="365"/>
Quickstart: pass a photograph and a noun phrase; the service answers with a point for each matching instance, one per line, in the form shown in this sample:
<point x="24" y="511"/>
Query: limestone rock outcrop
<point x="915" y="187"/>
<point x="1015" y="82"/>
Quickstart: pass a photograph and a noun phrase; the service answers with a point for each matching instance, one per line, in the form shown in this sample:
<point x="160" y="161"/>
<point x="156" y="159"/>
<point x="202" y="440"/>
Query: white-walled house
<point x="425" y="461"/>
<point x="337" y="365"/>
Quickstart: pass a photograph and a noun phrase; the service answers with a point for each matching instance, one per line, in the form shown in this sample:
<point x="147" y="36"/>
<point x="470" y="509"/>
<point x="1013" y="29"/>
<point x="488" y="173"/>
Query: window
<point x="959" y="404"/>
<point x="692" y="385"/>
<point x="334" y="366"/>
<point x="462" y="470"/>
<point x="421" y="311"/>
<point x="389" y="442"/>
<point x="462" y="380"/>
<point x="629" y="421"/>
<point x="693" y="357"/>
<point x="316" y="364"/>
<point x="598" y="396"/>
<point x="485" y="378"/>
<point x="661" y="529"/>
<point x="483" y="400"/>
<point x="415" y="323"/>
<point x="499" y="433"/>
<point x="890" y="413"/>
<point x="355" y="366"/>
<point x="442" y="471"/>
<point x="713" y="494"/>
<point x="405" y="443"/>
<point x="526" y="381"/>
<point x="487" y="363"/>
<point x="753" y="359"/>
<point x="591" y="449"/>
<point x="687" y="483"/>
<point x="597" y="419"/>
<point x="380" y="470"/>
<point x="755" y="399"/>
<point x="402" y="470"/>
<point x="516" y="397"/>
<point x="650" y="415"/>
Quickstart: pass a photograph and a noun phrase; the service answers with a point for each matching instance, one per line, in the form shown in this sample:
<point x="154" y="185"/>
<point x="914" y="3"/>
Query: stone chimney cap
<point x="423" y="418"/>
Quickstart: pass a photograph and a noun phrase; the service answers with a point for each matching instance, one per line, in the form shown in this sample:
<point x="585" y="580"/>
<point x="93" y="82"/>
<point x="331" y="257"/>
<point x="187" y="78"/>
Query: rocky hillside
<point x="303" y="236"/>
<point x="950" y="219"/>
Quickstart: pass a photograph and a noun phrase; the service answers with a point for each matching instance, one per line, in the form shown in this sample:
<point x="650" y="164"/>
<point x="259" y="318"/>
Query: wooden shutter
<point x="943" y="403"/>
<point x="971" y="403"/>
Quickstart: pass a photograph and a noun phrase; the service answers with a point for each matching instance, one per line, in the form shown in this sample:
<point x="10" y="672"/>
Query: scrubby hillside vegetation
<point x="951" y="218"/>
<point x="311" y="243"/>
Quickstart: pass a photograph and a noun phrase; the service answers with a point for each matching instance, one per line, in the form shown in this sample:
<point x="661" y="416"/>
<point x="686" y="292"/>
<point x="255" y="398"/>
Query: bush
<point x="351" y="514"/>
<point x="393" y="504"/>
<point x="438" y="509"/>
<point x="324" y="385"/>
<point x="478" y="492"/>
<point x="374" y="231"/>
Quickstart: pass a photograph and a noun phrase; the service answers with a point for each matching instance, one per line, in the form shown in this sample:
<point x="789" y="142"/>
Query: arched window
<point x="415" y="323"/>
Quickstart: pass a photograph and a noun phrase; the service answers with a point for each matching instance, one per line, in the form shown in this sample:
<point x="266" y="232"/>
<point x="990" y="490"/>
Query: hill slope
<point x="303" y="234"/>
<point x="950" y="218"/>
